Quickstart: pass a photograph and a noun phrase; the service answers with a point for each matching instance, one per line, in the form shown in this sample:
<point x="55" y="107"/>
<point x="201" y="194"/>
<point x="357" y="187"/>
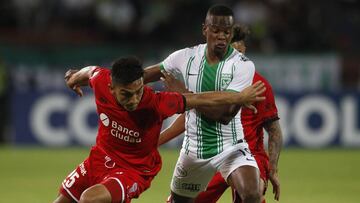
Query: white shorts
<point x="192" y="175"/>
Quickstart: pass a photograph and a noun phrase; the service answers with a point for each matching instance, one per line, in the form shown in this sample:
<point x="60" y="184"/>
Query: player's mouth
<point x="220" y="45"/>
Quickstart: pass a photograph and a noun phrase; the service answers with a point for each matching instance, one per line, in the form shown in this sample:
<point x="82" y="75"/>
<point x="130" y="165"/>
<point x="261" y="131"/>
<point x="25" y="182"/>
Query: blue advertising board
<point x="59" y="118"/>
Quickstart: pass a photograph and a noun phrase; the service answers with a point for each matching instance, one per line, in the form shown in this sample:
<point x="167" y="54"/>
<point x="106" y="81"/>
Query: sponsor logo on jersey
<point x="192" y="187"/>
<point x="181" y="171"/>
<point x="225" y="80"/>
<point x="109" y="163"/>
<point x="104" y="119"/>
<point x="82" y="169"/>
<point x="124" y="133"/>
<point x="133" y="188"/>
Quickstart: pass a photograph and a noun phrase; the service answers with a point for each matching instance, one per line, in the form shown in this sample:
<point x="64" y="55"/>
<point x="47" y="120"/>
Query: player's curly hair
<point x="240" y="33"/>
<point x="126" y="70"/>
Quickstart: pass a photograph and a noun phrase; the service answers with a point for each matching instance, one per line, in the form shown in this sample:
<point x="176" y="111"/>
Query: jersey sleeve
<point x="269" y="111"/>
<point x="170" y="103"/>
<point x="174" y="62"/>
<point x="243" y="74"/>
<point x="97" y="75"/>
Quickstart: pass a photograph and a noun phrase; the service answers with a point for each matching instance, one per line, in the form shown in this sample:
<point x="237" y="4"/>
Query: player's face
<point x="128" y="96"/>
<point x="240" y="46"/>
<point x="218" y="32"/>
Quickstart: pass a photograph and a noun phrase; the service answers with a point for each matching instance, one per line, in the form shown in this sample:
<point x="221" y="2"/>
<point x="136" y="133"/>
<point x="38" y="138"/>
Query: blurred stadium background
<point x="308" y="50"/>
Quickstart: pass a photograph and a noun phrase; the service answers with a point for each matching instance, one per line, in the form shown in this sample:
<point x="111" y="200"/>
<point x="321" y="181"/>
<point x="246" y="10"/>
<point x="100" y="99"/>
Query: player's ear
<point x="111" y="87"/>
<point x="204" y="29"/>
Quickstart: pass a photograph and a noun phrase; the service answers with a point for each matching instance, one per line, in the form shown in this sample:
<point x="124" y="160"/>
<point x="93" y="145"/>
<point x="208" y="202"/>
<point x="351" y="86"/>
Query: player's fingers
<point x="69" y="73"/>
<point x="258" y="83"/>
<point x="78" y="90"/>
<point x="165" y="74"/>
<point x="257" y="99"/>
<point x="277" y="193"/>
<point x="252" y="108"/>
<point x="260" y="90"/>
<point x="171" y="76"/>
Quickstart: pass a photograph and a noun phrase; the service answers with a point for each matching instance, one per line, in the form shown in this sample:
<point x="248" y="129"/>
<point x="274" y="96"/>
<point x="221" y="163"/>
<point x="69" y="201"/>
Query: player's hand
<point x="275" y="182"/>
<point x="172" y="84"/>
<point x="253" y="93"/>
<point x="70" y="82"/>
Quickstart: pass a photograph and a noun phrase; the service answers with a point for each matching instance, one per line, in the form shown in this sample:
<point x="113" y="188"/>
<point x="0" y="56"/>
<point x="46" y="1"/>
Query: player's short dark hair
<point x="240" y="33"/>
<point x="126" y="70"/>
<point x="220" y="10"/>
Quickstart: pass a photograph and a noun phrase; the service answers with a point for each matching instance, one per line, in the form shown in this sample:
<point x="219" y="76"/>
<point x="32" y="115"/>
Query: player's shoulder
<point x="99" y="70"/>
<point x="239" y="57"/>
<point x="242" y="63"/>
<point x="193" y="50"/>
<point x="100" y="73"/>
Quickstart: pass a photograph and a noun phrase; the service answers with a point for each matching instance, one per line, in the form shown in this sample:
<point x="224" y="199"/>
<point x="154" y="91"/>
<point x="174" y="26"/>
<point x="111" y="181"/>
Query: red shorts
<point x="122" y="183"/>
<point x="217" y="185"/>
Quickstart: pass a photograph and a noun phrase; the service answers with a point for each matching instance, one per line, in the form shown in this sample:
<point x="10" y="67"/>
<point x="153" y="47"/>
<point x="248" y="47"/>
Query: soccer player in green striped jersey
<point x="213" y="139"/>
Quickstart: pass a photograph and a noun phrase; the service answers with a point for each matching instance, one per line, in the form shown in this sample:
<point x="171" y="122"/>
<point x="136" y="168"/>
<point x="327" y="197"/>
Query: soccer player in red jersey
<point x="125" y="158"/>
<point x="265" y="117"/>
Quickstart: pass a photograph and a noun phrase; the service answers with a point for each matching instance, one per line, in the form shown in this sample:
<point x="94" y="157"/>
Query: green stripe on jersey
<point x="209" y="136"/>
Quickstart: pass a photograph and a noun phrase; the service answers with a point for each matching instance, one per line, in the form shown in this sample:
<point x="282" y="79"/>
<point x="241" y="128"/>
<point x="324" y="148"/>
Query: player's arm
<point x="152" y="73"/>
<point x="274" y="148"/>
<point x="222" y="113"/>
<point x="174" y="130"/>
<point x="76" y="78"/>
<point x="248" y="96"/>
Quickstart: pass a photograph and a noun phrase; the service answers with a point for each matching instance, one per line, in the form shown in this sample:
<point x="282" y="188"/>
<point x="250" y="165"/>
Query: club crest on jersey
<point x="225" y="80"/>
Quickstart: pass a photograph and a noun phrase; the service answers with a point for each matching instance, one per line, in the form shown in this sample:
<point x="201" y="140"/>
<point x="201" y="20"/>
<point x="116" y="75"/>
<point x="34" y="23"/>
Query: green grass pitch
<point x="33" y="175"/>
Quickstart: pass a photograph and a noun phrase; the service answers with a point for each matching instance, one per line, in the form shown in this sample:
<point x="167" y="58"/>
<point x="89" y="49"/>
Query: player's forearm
<point x="152" y="73"/>
<point x="81" y="77"/>
<point x="275" y="143"/>
<point x="223" y="114"/>
<point x="209" y="99"/>
<point x="176" y="128"/>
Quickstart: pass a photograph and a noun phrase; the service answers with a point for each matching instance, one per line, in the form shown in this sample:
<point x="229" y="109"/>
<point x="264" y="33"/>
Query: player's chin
<point x="219" y="51"/>
<point x="130" y="108"/>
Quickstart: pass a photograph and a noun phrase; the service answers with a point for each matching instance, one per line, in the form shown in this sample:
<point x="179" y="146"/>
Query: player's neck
<point x="212" y="58"/>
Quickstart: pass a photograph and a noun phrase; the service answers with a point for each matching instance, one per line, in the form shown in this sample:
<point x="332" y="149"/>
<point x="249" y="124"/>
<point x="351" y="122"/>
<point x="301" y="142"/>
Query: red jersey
<point x="130" y="138"/>
<point x="253" y="123"/>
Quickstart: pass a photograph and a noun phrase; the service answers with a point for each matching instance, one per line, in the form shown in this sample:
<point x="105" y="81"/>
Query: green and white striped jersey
<point x="205" y="138"/>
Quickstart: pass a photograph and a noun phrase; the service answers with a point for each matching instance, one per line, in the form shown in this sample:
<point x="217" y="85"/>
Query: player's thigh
<point x="124" y="184"/>
<point x="214" y="190"/>
<point x="245" y="180"/>
<point x="191" y="176"/>
<point x="96" y="193"/>
<point x="240" y="170"/>
<point x="76" y="182"/>
<point x="236" y="198"/>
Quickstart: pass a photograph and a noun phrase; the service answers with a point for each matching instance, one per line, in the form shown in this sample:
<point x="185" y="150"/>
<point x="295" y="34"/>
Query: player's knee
<point x="251" y="196"/>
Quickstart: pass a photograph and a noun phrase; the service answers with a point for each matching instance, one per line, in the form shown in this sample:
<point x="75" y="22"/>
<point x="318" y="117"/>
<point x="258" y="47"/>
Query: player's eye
<point x="126" y="94"/>
<point x="214" y="30"/>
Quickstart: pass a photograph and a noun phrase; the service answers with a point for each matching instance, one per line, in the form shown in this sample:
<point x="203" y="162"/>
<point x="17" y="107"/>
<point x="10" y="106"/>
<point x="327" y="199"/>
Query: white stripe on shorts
<point x="122" y="189"/>
<point x="68" y="191"/>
